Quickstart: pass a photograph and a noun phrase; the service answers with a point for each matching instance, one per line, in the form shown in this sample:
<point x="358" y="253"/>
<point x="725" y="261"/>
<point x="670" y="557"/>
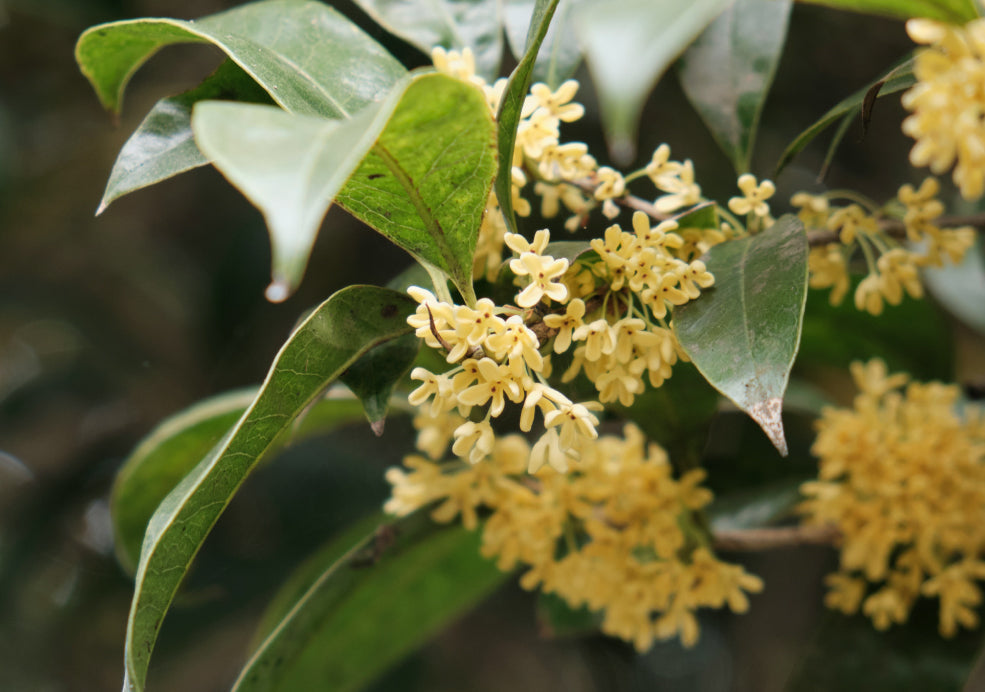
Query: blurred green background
<point x="109" y="324"/>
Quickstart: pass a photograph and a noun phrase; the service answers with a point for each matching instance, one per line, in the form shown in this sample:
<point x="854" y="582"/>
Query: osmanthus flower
<point x="893" y="269"/>
<point x="902" y="477"/>
<point x="558" y="103"/>
<point x="615" y="532"/>
<point x="947" y="101"/>
<point x="754" y="196"/>
<point x="566" y="323"/>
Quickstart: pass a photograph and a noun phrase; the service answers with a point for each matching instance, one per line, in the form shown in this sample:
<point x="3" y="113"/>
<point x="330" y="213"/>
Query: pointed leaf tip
<point x="767" y="414"/>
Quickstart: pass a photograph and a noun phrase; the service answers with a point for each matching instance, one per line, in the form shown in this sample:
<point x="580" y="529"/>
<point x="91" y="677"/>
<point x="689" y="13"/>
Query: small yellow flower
<point x="754" y="196"/>
<point x="566" y="324"/>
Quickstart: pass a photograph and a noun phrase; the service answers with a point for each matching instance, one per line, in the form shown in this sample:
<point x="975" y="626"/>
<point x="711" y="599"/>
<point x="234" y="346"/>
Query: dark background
<point x="109" y="324"/>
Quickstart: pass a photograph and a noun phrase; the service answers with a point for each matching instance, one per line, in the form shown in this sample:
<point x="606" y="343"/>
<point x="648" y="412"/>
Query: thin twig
<point x="751" y="540"/>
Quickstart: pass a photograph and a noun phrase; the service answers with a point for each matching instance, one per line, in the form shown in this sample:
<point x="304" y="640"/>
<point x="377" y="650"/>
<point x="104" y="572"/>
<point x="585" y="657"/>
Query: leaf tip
<point x="622" y="150"/>
<point x="377" y="426"/>
<point x="102" y="207"/>
<point x="277" y="291"/>
<point x="767" y="414"/>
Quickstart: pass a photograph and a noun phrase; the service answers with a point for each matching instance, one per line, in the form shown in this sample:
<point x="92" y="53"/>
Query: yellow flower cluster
<point x="948" y="100"/>
<point x="618" y="319"/>
<point x="902" y="477"/>
<point x="892" y="268"/>
<point x="565" y="174"/>
<point x="616" y="535"/>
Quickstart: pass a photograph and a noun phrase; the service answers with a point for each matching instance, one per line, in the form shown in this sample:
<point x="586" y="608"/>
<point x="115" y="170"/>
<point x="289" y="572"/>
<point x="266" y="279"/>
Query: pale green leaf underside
<point x="361" y="612"/>
<point x="452" y="24"/>
<point x="176" y="446"/>
<point x="340" y="330"/>
<point x="290" y="166"/>
<point x="961" y="288"/>
<point x="727" y="72"/>
<point x="628" y="44"/>
<point x="743" y="334"/>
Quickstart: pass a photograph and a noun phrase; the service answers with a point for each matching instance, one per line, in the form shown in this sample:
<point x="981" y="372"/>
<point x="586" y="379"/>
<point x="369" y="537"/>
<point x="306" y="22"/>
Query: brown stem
<point x="750" y="540"/>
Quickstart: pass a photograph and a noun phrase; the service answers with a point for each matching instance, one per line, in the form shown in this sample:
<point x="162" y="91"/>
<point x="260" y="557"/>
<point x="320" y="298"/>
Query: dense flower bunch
<point x="893" y="269"/>
<point x="948" y="100"/>
<point x="600" y="521"/>
<point x="616" y="534"/>
<point x="902" y="477"/>
<point x="565" y="175"/>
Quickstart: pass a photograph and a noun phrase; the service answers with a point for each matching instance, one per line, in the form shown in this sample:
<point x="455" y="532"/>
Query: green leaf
<point x="961" y="288"/>
<point x="743" y="333"/>
<point x="913" y="336"/>
<point x="849" y="654"/>
<point x="163" y="145"/>
<point x="899" y="78"/>
<point x="307" y="57"/>
<point x="757" y="507"/>
<point x="425" y="183"/>
<point x="677" y="414"/>
<point x="387" y="595"/>
<point x="511" y="105"/>
<point x="954" y="11"/>
<point x="452" y="24"/>
<point x="345" y="326"/>
<point x="557" y="619"/>
<point x="373" y="377"/>
<point x="290" y="166"/>
<point x="560" y="53"/>
<point x="628" y="45"/>
<point x="176" y="445"/>
<point x="728" y="70"/>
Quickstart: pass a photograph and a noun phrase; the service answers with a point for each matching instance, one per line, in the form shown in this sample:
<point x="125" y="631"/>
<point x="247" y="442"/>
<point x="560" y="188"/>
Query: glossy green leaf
<point x="383" y="598"/>
<point x="373" y="377"/>
<point x="308" y="57"/>
<point x="163" y="145"/>
<point x="849" y="654"/>
<point x="175" y="447"/>
<point x="743" y="333"/>
<point x="425" y="183"/>
<point x="511" y="105"/>
<point x="677" y="414"/>
<point x="452" y="24"/>
<point x="628" y="45"/>
<point x="560" y="53"/>
<point x="898" y="79"/>
<point x="757" y="507"/>
<point x="954" y="11"/>
<point x="961" y="288"/>
<point x="727" y="72"/>
<point x="345" y="326"/>
<point x="913" y="336"/>
<point x="290" y="166"/>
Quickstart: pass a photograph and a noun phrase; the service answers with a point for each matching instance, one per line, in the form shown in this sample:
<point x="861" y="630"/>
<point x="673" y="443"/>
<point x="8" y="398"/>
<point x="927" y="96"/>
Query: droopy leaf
<point x="373" y="377"/>
<point x="727" y="72"/>
<point x="628" y="45"/>
<point x="290" y="166"/>
<point x="344" y="327"/>
<point x="308" y="57"/>
<point x="511" y="105"/>
<point x="560" y="53"/>
<point x="452" y="24"/>
<point x="163" y="145"/>
<point x="425" y="183"/>
<point x="955" y="11"/>
<point x="743" y="333"/>
<point x="961" y="288"/>
<point x="899" y="78"/>
<point x="175" y="447"/>
<point x="383" y="598"/>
